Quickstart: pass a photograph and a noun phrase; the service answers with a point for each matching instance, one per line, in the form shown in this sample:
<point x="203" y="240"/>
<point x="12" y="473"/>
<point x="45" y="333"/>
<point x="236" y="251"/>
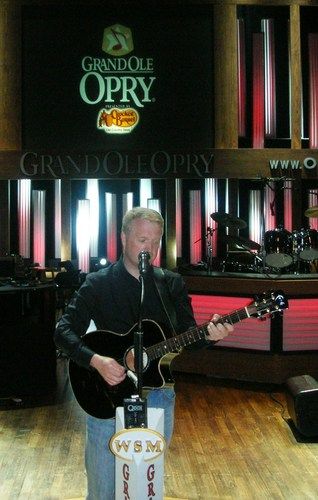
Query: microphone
<point x="143" y="259"/>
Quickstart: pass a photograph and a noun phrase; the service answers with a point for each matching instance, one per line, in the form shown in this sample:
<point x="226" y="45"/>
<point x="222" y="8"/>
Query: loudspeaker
<point x="302" y="404"/>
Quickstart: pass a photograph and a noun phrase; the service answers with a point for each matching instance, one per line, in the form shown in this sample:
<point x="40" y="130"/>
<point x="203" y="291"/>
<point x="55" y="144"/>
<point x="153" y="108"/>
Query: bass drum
<point x="305" y="243"/>
<point x="278" y="247"/>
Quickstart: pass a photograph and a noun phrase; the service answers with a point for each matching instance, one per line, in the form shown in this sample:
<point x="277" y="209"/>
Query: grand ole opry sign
<point x="218" y="163"/>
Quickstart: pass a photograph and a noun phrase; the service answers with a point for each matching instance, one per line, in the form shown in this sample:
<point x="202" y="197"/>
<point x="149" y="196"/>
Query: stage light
<point x="98" y="263"/>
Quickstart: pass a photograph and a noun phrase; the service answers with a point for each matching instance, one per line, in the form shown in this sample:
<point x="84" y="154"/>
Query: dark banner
<point x="100" y="78"/>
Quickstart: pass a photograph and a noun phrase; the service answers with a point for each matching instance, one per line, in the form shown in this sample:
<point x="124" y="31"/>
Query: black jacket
<point x="111" y="298"/>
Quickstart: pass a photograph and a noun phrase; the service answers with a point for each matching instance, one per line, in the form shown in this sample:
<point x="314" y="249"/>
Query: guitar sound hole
<point x="129" y="359"/>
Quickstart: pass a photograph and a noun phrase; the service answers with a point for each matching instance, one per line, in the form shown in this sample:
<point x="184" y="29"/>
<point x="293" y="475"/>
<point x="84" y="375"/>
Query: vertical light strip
<point x="241" y="74"/>
<point x="128" y="202"/>
<point x="288" y="202"/>
<point x="211" y="206"/>
<point x="270" y="77"/>
<point x="227" y="201"/>
<point x="195" y="226"/>
<point x="154" y="203"/>
<point x="82" y="235"/>
<point x="313" y="202"/>
<point x="38" y="199"/>
<point x="111" y="226"/>
<point x="179" y="217"/>
<point x="255" y="214"/>
<point x="57" y="219"/>
<point x="258" y="126"/>
<point x="24" y="214"/>
<point x="269" y="206"/>
<point x="145" y="191"/>
<point x="313" y="90"/>
<point x="92" y="194"/>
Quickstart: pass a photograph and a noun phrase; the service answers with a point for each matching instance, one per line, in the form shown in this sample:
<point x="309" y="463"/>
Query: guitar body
<point x="100" y="399"/>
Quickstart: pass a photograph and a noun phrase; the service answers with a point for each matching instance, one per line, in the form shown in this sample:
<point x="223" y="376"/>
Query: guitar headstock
<point x="269" y="302"/>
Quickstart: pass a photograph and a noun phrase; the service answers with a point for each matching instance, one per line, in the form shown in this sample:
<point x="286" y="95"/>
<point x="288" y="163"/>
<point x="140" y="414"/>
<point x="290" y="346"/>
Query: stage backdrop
<point x="97" y="78"/>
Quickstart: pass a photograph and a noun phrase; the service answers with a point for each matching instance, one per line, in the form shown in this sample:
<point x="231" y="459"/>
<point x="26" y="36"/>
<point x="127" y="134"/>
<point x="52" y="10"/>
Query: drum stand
<point x="209" y="254"/>
<point x="259" y="259"/>
<point x="297" y="264"/>
<point x="263" y="256"/>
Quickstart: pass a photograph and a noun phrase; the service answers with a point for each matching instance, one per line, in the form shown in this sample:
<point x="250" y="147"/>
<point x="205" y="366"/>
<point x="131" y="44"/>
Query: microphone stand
<point x="138" y="341"/>
<point x="135" y="408"/>
<point x="136" y="413"/>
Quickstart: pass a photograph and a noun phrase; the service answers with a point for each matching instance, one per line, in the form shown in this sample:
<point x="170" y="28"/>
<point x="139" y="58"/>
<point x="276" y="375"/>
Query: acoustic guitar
<point x="99" y="399"/>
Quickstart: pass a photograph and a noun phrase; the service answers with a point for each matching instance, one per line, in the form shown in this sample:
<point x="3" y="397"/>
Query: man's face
<point x="143" y="235"/>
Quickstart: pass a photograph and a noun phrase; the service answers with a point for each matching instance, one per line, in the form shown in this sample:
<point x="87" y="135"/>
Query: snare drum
<point x="278" y="245"/>
<point x="305" y="243"/>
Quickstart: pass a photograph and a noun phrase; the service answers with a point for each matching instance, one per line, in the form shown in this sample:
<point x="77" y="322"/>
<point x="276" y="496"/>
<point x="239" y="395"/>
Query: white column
<point x="312" y="202"/>
<point x="211" y="206"/>
<point x="24" y="213"/>
<point x="38" y="198"/>
<point x="92" y="194"/>
<point x="288" y="199"/>
<point x="111" y="226"/>
<point x="269" y="206"/>
<point x="57" y="219"/>
<point x="145" y="191"/>
<point x="255" y="216"/>
<point x="82" y="235"/>
<point x="154" y="203"/>
<point x="195" y="226"/>
<point x="179" y="217"/>
<point x="128" y="202"/>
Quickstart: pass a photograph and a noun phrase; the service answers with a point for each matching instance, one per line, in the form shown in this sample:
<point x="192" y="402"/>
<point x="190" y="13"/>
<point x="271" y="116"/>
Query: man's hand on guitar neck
<point x="217" y="331"/>
<point x="111" y="371"/>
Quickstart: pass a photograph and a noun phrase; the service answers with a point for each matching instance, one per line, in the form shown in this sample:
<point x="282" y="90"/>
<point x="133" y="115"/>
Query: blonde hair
<point x="141" y="213"/>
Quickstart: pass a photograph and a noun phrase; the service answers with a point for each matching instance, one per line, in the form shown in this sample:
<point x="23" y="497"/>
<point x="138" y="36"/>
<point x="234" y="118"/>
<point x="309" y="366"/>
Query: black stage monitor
<point x="302" y="404"/>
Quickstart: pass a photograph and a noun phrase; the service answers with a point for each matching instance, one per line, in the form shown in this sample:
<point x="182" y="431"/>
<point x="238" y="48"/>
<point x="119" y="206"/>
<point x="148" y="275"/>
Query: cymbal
<point x="242" y="243"/>
<point x="312" y="211"/>
<point x="228" y="220"/>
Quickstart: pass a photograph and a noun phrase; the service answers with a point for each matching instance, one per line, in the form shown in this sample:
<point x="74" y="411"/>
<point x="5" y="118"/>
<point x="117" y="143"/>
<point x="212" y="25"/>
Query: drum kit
<point x="282" y="251"/>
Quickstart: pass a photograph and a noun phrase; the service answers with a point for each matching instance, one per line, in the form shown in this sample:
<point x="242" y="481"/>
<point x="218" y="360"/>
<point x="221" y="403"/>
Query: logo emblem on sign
<point x="117" y="40"/>
<point x="128" y="443"/>
<point x="117" y="121"/>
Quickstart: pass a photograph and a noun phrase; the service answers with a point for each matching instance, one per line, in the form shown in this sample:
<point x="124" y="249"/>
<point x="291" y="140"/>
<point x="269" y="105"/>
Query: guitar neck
<point x="194" y="334"/>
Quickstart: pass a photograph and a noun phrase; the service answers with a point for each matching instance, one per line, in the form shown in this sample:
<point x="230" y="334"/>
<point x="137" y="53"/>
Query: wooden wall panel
<point x="295" y="77"/>
<point x="10" y="76"/>
<point x="4" y="217"/>
<point x="225" y="76"/>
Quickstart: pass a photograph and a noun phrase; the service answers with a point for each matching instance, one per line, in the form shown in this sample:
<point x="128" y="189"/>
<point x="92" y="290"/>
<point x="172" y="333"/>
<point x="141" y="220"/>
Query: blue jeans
<point x="100" y="462"/>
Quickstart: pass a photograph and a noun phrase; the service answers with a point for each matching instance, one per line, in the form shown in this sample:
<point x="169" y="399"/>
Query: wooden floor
<point x="231" y="441"/>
